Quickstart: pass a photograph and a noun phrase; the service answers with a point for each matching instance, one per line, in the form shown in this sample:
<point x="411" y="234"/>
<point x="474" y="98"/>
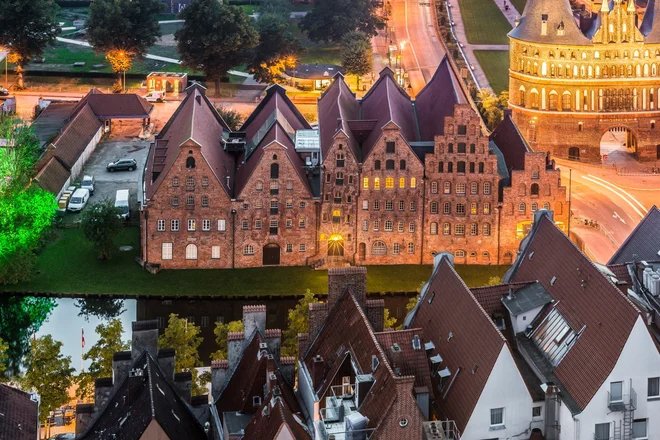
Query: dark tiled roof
<point x="51" y="120"/>
<point x="265" y="425"/>
<point x="511" y="143"/>
<point x="586" y="299"/>
<point x="53" y="176"/>
<point x="336" y="107"/>
<point x="621" y="273"/>
<point x="649" y="28"/>
<point x="115" y="105"/>
<point x="527" y="298"/>
<point x="557" y="13"/>
<point x="409" y="361"/>
<point x="76" y="136"/>
<point x="18" y="414"/>
<point x="643" y="243"/>
<point x="138" y="401"/>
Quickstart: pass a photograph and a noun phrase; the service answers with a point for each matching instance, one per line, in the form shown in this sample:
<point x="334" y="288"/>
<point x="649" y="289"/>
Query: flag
<point x="83" y="337"/>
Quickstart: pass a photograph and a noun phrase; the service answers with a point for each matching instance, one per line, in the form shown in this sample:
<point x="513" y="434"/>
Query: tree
<point x="3" y="357"/>
<point x="494" y="281"/>
<point x="123" y="30"/>
<point x="101" y="355"/>
<point x="388" y="321"/>
<point x="184" y="338"/>
<point x="27" y="27"/>
<point x="221" y="331"/>
<point x="279" y="7"/>
<point x="277" y="49"/>
<point x="102" y="308"/>
<point x="330" y="20"/>
<point x="231" y="117"/>
<point x="49" y="373"/>
<point x="489" y="107"/>
<point x="298" y="323"/>
<point x="215" y="38"/>
<point x="356" y="54"/>
<point x="100" y="224"/>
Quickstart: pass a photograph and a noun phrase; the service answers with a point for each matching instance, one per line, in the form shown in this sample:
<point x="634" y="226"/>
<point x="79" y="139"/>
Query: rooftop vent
<point x="437" y="359"/>
<point x="475" y="367"/>
<point x="451" y="335"/>
<point x="429" y="346"/>
<point x="444" y="372"/>
<point x="396" y="348"/>
<point x="416" y="343"/>
<point x="553" y="280"/>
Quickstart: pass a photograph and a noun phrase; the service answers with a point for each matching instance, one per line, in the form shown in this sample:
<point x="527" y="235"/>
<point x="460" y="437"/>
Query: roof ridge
<point x="652" y="211"/>
<point x="151" y="388"/>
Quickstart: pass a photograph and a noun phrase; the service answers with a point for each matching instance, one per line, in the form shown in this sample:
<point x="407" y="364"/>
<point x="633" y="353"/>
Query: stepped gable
<point x="643" y="243"/>
<point x="511" y="143"/>
<point x="558" y="15"/>
<point x="586" y="299"/>
<point x="197" y="121"/>
<point x="336" y="107"/>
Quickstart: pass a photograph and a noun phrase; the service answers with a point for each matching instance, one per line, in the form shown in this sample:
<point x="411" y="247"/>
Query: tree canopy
<point x="215" y="38"/>
<point x="27" y="27"/>
<point x="277" y="50"/>
<point x="231" y="117"/>
<point x="356" y="54"/>
<point x="3" y="357"/>
<point x="298" y="323"/>
<point x="330" y="20"/>
<point x="49" y="373"/>
<point x="184" y="338"/>
<point x="100" y="225"/>
<point x="221" y="331"/>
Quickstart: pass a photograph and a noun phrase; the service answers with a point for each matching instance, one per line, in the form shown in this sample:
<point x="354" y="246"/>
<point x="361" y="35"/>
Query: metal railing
<point x="628" y="402"/>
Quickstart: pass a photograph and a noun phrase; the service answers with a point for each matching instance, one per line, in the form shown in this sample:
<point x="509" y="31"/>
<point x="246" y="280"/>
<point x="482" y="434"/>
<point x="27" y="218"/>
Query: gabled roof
<point x="409" y="361"/>
<point x="51" y="120"/>
<point x="558" y="14"/>
<point x="643" y="243"/>
<point x="277" y="417"/>
<point x="76" y="136"/>
<point x="115" y="105"/>
<point x="18" y="414"/>
<point x="195" y="120"/>
<point x="53" y="176"/>
<point x="649" y="27"/>
<point x="511" y="143"/>
<point x="336" y="107"/>
<point x="464" y="336"/>
<point x="138" y="401"/>
<point x="586" y="299"/>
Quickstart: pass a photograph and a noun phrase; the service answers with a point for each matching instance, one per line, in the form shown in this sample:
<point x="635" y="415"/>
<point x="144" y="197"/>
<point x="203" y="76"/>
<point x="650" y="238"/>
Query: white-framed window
<point x="206" y="225"/>
<point x="411" y="247"/>
<point x="248" y="249"/>
<point x="289" y="247"/>
<point x="401" y="227"/>
<point x="474" y="188"/>
<point x="389" y="225"/>
<point x="485" y="229"/>
<point x="536" y="411"/>
<point x="365" y="225"/>
<point x="376" y="225"/>
<point x="460" y="254"/>
<point x="245" y="224"/>
<point x="365" y="205"/>
<point x="653" y="388"/>
<point x="302" y="204"/>
<point x="616" y="391"/>
<point x="446" y="208"/>
<point x="474" y="229"/>
<point x="497" y="417"/>
<point x="174" y="225"/>
<point x="522" y="207"/>
<point x="486" y="209"/>
<point x="289" y="185"/>
<point x="222" y="225"/>
<point x="487" y="188"/>
<point x="446" y="188"/>
<point x="639" y="431"/>
<point x="190" y="200"/>
<point x="302" y="222"/>
<point x="160" y="226"/>
<point x="434" y="187"/>
<point x="190" y="181"/>
<point x="257" y="223"/>
<point x="389" y="205"/>
<point x="289" y="203"/>
<point x="413" y="205"/>
<point x="215" y="252"/>
<point x="396" y="248"/>
<point x="411" y="227"/>
<point x="459" y="229"/>
<point x="402" y="205"/>
<point x="376" y="205"/>
<point x="434" y="228"/>
<point x="289" y="223"/>
<point x="446" y="229"/>
<point x="192" y="224"/>
<point x="191" y="252"/>
<point x="379" y="248"/>
<point x="460" y="188"/>
<point x="434" y="207"/>
<point x="602" y="431"/>
<point x="205" y="201"/>
<point x="302" y="247"/>
<point x="166" y="251"/>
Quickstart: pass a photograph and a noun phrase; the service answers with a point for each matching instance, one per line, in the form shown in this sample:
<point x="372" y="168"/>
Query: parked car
<point x="122" y="164"/>
<point x="3" y="91"/>
<point x="155" y="96"/>
<point x="121" y="202"/>
<point x="88" y="183"/>
<point x="78" y="200"/>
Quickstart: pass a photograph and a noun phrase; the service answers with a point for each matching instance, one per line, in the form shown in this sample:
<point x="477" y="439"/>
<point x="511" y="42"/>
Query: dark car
<point x="122" y="164"/>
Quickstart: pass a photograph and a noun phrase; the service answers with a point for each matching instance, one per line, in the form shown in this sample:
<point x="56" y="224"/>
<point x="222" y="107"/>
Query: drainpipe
<point x="499" y="223"/>
<point x="233" y="236"/>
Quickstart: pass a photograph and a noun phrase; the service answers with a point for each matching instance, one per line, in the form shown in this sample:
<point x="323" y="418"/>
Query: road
<point x="413" y="22"/>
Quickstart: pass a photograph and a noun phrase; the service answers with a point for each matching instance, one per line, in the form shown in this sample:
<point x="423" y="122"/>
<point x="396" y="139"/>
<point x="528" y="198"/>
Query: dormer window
<point x="374" y="362"/>
<point x="544" y="24"/>
<point x="560" y="29"/>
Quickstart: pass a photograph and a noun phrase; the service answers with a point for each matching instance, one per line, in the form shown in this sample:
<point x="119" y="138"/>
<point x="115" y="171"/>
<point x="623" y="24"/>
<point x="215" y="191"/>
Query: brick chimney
<point x="254" y="317"/>
<point x="145" y="337"/>
<point x="317" y="314"/>
<point x="318" y="370"/>
<point x="288" y="369"/>
<point x="339" y="279"/>
<point x="84" y="414"/>
<point x="234" y="348"/>
<point x="183" y="384"/>
<point x="102" y="391"/>
<point x="303" y="344"/>
<point x="218" y="377"/>
<point x="166" y="357"/>
<point x="376" y="313"/>
<point x="121" y="363"/>
<point x="274" y="341"/>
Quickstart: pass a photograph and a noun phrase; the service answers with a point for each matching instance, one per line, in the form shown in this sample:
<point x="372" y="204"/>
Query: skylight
<point x="554" y="337"/>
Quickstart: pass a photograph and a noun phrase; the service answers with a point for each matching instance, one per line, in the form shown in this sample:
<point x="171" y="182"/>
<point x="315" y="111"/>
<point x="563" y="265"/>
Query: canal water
<point x="66" y="325"/>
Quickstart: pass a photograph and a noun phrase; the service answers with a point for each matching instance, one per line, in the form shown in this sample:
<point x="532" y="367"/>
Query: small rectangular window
<point x="289" y="247"/>
<point x="496" y="416"/>
<point x="639" y="429"/>
<point x="192" y="224"/>
<point x="204" y="322"/>
<point x="536" y="411"/>
<point x="654" y="388"/>
<point x="389" y="147"/>
<point x="206" y="225"/>
<point x="174" y="225"/>
<point x="302" y="247"/>
<point x="215" y="252"/>
<point x="161" y="225"/>
<point x="222" y="225"/>
<point x="166" y="252"/>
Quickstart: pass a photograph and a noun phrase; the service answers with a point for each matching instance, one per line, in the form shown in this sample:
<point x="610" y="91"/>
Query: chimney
<point x="274" y="341"/>
<point x="288" y="369"/>
<point x="121" y="363"/>
<point x="510" y="295"/>
<point x="303" y="344"/>
<point x="271" y="377"/>
<point x="102" y="391"/>
<point x="339" y="279"/>
<point x="396" y="358"/>
<point x="318" y="370"/>
<point x="183" y="384"/>
<point x="317" y="314"/>
<point x="166" y="358"/>
<point x="145" y="337"/>
<point x="218" y="377"/>
<point x="376" y="313"/>
<point x="234" y="348"/>
<point x="84" y="413"/>
<point x="254" y="317"/>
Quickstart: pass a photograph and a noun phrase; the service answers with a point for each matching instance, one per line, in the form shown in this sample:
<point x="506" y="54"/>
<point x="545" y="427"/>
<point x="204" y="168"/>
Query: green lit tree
<point x="215" y="38"/>
<point x="277" y="50"/>
<point x="27" y="27"/>
<point x="101" y="355"/>
<point x="100" y="225"/>
<point x="3" y="357"/>
<point x="49" y="373"/>
<point x="221" y="331"/>
<point x="330" y="20"/>
<point x="184" y="338"/>
<point x="298" y="320"/>
<point x="356" y="54"/>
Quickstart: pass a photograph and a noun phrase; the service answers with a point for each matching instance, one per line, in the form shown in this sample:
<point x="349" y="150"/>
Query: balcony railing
<point x="627" y="402"/>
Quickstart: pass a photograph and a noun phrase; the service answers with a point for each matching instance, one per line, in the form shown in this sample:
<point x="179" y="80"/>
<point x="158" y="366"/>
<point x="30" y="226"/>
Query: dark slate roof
<point x="336" y="107"/>
<point x="53" y="176"/>
<point x="115" y="105"/>
<point x="586" y="299"/>
<point x="137" y="401"/>
<point x="527" y="298"/>
<point x="51" y="120"/>
<point x="76" y="136"/>
<point x="643" y="243"/>
<point x="510" y="142"/>
<point x="558" y="13"/>
<point x="649" y="28"/>
<point x="276" y="418"/>
<point x="18" y="414"/>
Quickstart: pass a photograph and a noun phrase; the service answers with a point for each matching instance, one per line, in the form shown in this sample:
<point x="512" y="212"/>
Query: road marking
<point x="609" y="188"/>
<point x="619" y="217"/>
<point x="412" y="47"/>
<point x="623" y="191"/>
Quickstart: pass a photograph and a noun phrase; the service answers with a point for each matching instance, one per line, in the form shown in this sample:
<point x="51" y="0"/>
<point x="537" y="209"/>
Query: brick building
<point x="384" y="180"/>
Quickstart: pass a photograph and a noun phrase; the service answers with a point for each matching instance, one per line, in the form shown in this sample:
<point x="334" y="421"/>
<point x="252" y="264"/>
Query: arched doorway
<point x="618" y="142"/>
<point x="508" y="257"/>
<point x="362" y="251"/>
<point x="335" y="246"/>
<point x="574" y="153"/>
<point x="271" y="255"/>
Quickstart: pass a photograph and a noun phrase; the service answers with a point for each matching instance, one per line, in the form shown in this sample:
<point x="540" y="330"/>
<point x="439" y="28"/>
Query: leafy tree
<point x="27" y="27"/>
<point x="298" y="323"/>
<point x="494" y="281"/>
<point x="412" y="302"/>
<point x="277" y="49"/>
<point x="102" y="308"/>
<point x="3" y="357"/>
<point x="389" y="322"/>
<point x="123" y="30"/>
<point x="233" y="118"/>
<point x="221" y="331"/>
<point x="356" y="54"/>
<point x="489" y="107"/>
<point x="20" y="318"/>
<point x="184" y="338"/>
<point x="330" y="20"/>
<point x="279" y="7"/>
<point x="100" y="224"/>
<point x="49" y="373"/>
<point x="101" y="355"/>
<point x="215" y="38"/>
<point x="503" y="98"/>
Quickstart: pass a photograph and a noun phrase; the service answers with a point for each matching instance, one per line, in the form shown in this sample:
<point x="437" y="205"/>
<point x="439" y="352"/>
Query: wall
<point x="154" y="432"/>
<point x="524" y="319"/>
<point x="89" y="149"/>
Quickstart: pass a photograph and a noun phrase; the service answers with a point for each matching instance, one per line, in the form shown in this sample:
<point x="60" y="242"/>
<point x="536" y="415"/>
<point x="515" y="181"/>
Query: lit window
<point x="289" y="203"/>
<point x="447" y="188"/>
<point x="413" y="182"/>
<point x="473" y="208"/>
<point x="365" y="183"/>
<point x="402" y="182"/>
<point x="486" y="229"/>
<point x="161" y="225"/>
<point x="191" y="252"/>
<point x="365" y="205"/>
<point x="192" y="224"/>
<point x="166" y="251"/>
<point x="446" y="229"/>
<point x="460" y="188"/>
<point x="434" y="228"/>
<point x="376" y="182"/>
<point x="389" y="182"/>
<point x="486" y="208"/>
<point x="215" y="252"/>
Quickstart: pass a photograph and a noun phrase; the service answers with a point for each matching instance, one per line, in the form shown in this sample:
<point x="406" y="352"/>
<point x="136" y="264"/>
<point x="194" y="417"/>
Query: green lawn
<point x="496" y="66"/>
<point x="69" y="265"/>
<point x="484" y="22"/>
<point x="519" y="5"/>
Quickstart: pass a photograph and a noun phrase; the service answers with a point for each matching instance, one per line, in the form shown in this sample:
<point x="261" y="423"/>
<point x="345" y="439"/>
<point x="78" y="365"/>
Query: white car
<point x="155" y="96"/>
<point x="78" y="200"/>
<point x="88" y="184"/>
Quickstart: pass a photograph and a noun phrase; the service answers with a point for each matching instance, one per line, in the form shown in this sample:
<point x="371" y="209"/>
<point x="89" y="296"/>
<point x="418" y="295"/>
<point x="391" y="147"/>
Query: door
<point x="336" y="247"/>
<point x="363" y="251"/>
<point x="271" y="255"/>
<point x="574" y="153"/>
<point x="657" y="152"/>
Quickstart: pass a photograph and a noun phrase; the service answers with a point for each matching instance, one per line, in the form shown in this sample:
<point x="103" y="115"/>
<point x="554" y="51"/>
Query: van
<point x="78" y="200"/>
<point x="121" y="202"/>
<point x="155" y="96"/>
